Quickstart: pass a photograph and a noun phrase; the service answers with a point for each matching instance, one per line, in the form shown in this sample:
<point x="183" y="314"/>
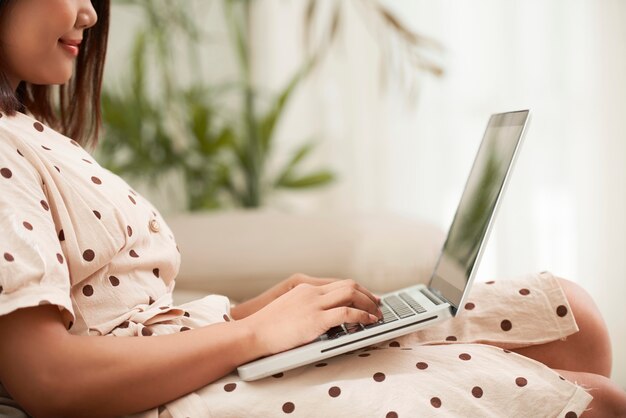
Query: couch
<point x="241" y="253"/>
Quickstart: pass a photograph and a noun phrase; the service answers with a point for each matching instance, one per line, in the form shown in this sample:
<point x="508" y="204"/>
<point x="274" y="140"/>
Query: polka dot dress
<point x="76" y="236"/>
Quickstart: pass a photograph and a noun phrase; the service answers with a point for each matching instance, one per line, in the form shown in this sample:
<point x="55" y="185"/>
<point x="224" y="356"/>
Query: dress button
<point x="154" y="225"/>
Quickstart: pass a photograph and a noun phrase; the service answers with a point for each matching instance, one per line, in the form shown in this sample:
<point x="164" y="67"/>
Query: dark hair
<point x="78" y="114"/>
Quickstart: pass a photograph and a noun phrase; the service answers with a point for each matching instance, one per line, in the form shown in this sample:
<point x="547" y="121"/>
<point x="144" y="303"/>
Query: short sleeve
<point x="33" y="268"/>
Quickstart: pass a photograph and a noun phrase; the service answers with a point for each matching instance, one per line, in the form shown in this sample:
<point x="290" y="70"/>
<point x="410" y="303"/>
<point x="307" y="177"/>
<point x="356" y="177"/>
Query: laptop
<point x="419" y="306"/>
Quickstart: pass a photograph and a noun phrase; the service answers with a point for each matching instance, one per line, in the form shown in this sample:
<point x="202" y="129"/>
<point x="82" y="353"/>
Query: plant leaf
<point x="316" y="179"/>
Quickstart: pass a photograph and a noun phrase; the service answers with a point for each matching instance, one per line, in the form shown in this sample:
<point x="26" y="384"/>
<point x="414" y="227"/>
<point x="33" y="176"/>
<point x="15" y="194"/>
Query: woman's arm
<point x="53" y="373"/>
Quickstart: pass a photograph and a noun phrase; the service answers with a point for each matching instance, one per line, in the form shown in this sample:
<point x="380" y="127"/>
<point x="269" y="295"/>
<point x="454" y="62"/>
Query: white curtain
<point x="565" y="207"/>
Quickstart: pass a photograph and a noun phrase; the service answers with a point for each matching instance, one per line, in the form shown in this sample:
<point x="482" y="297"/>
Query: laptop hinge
<point x="435" y="297"/>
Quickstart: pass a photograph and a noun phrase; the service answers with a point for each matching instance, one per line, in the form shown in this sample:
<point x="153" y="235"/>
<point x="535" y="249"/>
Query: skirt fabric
<point x="463" y="367"/>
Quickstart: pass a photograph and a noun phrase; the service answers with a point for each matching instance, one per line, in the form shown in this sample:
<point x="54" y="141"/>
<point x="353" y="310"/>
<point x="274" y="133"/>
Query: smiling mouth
<point x="72" y="47"/>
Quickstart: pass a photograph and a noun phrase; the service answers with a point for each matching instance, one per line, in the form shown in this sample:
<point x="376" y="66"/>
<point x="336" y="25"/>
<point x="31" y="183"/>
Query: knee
<point x="609" y="400"/>
<point x="593" y="337"/>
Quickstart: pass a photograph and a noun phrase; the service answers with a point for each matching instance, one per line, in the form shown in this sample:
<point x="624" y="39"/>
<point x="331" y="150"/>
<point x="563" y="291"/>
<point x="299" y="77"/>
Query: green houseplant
<point x="220" y="156"/>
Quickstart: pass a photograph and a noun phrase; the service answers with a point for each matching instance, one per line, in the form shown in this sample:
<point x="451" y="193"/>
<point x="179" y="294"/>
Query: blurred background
<point x="378" y="106"/>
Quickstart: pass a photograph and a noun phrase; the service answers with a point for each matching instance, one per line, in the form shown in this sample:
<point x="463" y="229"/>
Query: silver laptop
<point x="416" y="307"/>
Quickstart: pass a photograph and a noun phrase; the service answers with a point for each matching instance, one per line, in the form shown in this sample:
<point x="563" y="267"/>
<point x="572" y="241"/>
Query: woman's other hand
<point x="308" y="310"/>
<point x="251" y="306"/>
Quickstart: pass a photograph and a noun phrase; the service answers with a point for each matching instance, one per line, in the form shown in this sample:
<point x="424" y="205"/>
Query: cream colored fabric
<point x="446" y="370"/>
<point x="78" y="237"/>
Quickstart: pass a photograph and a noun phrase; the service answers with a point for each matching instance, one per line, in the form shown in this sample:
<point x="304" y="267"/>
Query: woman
<point x="83" y="256"/>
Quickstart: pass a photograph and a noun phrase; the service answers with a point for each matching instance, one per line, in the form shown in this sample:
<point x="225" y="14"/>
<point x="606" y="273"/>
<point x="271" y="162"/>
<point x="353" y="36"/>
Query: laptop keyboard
<point x="393" y="307"/>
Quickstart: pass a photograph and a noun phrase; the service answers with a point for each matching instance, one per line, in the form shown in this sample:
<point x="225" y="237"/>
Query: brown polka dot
<point x="87" y="161"/>
<point x="96" y="180"/>
<point x="87" y="290"/>
<point x="75" y="143"/>
<point x="571" y="414"/>
<point x="506" y="351"/>
<point x="465" y="356"/>
<point x="391" y="414"/>
<point x="150" y="301"/>
<point x="379" y="377"/>
<point x="477" y="392"/>
<point x="421" y="365"/>
<point x="114" y="281"/>
<point x="229" y="387"/>
<point x="27" y="225"/>
<point x="524" y="292"/>
<point x="6" y="173"/>
<point x="334" y="391"/>
<point x="184" y="329"/>
<point x="561" y="310"/>
<point x="57" y="168"/>
<point x="278" y="375"/>
<point x="44" y="205"/>
<point x="19" y="152"/>
<point x="38" y="126"/>
<point x="46" y="148"/>
<point x="364" y="355"/>
<point x="1" y="289"/>
<point x="561" y="377"/>
<point x="60" y="258"/>
<point x="321" y="365"/>
<point x="146" y="332"/>
<point x="89" y="255"/>
<point x="394" y="344"/>
<point x="451" y="338"/>
<point x="226" y="318"/>
<point x="163" y="307"/>
<point x="490" y="282"/>
<point x="61" y="235"/>
<point x="129" y="230"/>
<point x="95" y="212"/>
<point x="469" y="306"/>
<point x="134" y="193"/>
<point x="133" y="254"/>
<point x="288" y="407"/>
<point x="155" y="272"/>
<point x="132" y="200"/>
<point x="8" y="257"/>
<point x="436" y="402"/>
<point x="521" y="382"/>
<point x="506" y="325"/>
<point x="186" y="314"/>
<point x="44" y="302"/>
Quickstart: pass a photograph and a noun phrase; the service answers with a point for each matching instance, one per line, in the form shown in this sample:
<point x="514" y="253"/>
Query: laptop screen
<point x="470" y="226"/>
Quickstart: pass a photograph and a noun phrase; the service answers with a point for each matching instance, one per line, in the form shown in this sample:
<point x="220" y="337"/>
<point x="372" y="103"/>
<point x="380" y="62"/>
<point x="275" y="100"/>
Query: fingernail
<point x="373" y="318"/>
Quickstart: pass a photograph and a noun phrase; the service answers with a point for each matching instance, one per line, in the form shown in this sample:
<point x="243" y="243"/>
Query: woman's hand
<point x="253" y="305"/>
<point x="306" y="311"/>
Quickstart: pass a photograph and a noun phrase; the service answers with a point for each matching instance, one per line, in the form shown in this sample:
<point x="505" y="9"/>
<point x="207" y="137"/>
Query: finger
<point x="345" y="314"/>
<point x="349" y="296"/>
<point x="351" y="283"/>
<point x="317" y="281"/>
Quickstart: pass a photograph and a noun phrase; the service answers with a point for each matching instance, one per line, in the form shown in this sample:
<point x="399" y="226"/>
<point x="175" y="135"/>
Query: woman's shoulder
<point x="21" y="125"/>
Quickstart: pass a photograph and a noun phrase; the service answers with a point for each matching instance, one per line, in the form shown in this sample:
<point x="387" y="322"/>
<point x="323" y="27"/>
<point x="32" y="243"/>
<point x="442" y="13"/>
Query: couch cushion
<point x="241" y="253"/>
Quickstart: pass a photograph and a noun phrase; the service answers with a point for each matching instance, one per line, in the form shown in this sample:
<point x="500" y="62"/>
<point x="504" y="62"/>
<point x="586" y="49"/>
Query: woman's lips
<point x="71" y="46"/>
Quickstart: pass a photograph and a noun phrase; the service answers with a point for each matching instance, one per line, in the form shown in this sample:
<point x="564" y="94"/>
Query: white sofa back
<point x="242" y="253"/>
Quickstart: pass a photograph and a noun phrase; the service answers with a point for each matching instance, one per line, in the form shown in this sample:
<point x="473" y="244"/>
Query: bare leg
<point x="589" y="350"/>
<point x="608" y="399"/>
